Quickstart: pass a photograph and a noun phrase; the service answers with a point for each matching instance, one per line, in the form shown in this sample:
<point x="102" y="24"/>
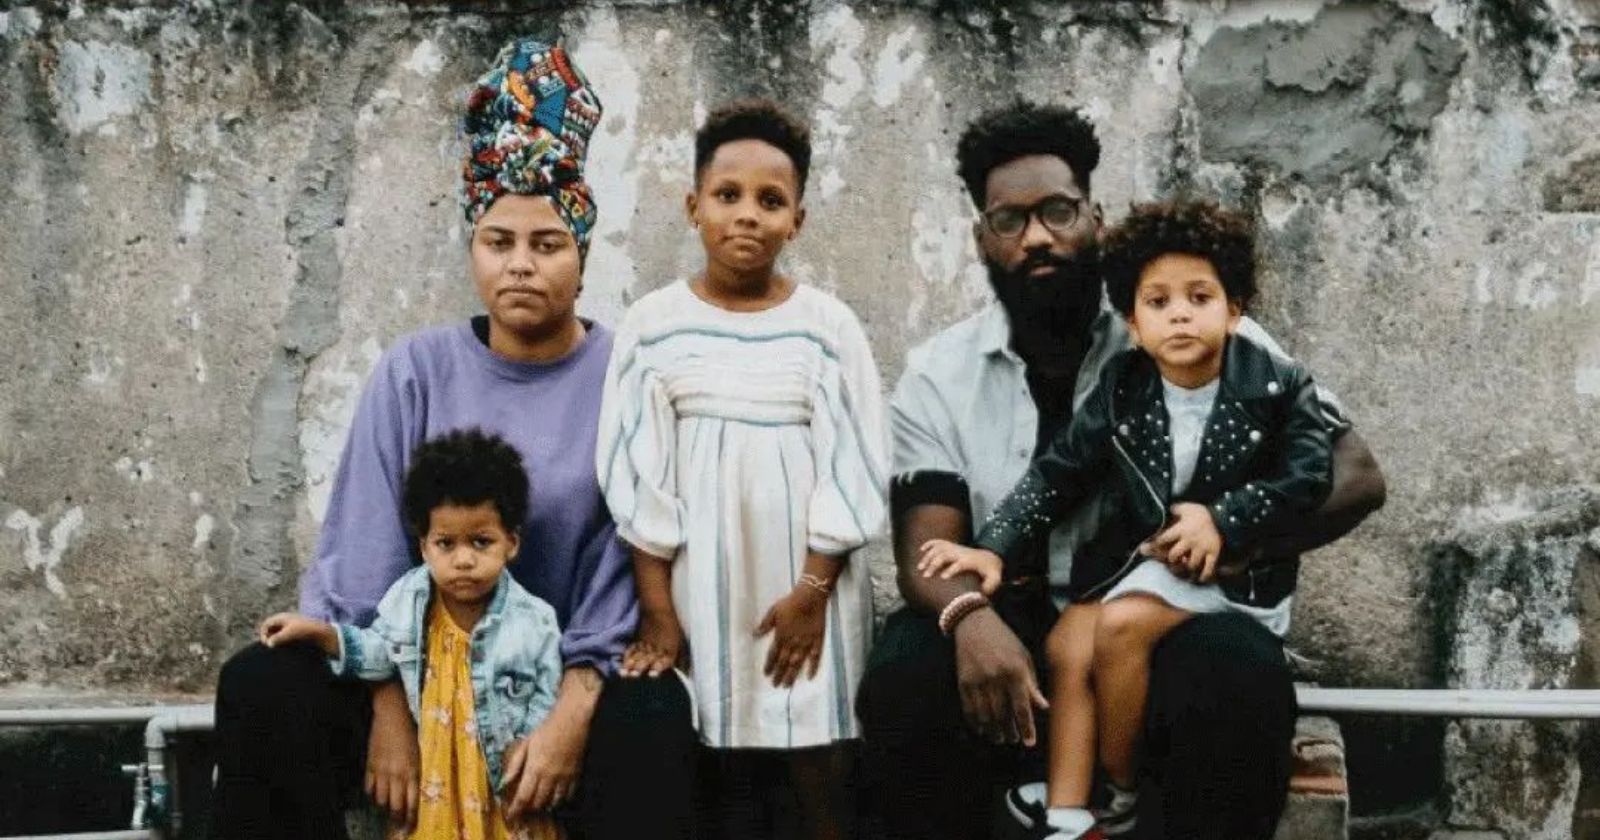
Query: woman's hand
<point x="542" y="770"/>
<point x="392" y="761"/>
<point x="1191" y="545"/>
<point x="796" y="624"/>
<point x="284" y="628"/>
<point x="656" y="648"/>
<point x="947" y="559"/>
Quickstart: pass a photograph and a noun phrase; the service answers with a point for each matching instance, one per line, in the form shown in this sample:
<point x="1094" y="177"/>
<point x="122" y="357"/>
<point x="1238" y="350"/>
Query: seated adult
<point x="952" y="715"/>
<point x="614" y="756"/>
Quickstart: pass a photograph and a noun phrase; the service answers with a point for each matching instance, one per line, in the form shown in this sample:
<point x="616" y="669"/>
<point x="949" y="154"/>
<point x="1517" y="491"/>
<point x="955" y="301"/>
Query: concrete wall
<point x="217" y="213"/>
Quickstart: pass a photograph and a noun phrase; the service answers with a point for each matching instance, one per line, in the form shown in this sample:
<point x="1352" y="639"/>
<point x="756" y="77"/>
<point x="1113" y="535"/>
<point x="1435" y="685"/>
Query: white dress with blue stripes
<point x="733" y="442"/>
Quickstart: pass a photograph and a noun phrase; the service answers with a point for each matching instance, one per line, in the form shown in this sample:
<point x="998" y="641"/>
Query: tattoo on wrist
<point x="588" y="679"/>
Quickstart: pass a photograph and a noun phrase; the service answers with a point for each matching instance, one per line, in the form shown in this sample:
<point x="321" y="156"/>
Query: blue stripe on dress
<point x="788" y="507"/>
<point x="725" y="668"/>
<point x="841" y="699"/>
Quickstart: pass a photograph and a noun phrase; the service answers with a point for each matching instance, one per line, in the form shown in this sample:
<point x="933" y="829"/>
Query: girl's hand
<point x="283" y="628"/>
<point x="656" y="647"/>
<point x="796" y="623"/>
<point x="392" y="773"/>
<point x="947" y="559"/>
<point x="1191" y="544"/>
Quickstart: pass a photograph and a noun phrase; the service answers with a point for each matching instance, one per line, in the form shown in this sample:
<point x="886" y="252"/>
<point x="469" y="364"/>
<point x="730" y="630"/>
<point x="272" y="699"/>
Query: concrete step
<point x="1319" y="795"/>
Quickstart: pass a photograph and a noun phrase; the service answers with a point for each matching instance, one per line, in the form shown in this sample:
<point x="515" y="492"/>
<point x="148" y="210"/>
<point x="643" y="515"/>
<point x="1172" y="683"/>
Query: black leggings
<point x="291" y="752"/>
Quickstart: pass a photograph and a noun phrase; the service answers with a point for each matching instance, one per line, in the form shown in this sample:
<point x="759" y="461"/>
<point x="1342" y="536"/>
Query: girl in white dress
<point x="742" y="453"/>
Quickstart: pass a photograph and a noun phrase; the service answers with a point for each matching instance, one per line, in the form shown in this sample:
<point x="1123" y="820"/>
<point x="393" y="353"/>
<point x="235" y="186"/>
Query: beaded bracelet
<point x="816" y="583"/>
<point x="959" y="608"/>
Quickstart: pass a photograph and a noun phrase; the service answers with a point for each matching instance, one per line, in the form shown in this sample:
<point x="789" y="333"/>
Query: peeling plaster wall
<point x="216" y="217"/>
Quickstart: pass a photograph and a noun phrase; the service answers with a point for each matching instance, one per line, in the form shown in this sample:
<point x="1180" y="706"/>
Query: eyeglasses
<point x="1058" y="214"/>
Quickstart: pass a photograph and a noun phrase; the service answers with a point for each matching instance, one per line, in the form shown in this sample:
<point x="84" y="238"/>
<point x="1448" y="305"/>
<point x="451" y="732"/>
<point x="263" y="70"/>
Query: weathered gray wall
<point x="215" y="216"/>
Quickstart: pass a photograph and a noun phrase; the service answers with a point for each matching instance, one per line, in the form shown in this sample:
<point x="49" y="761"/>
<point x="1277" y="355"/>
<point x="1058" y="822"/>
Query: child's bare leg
<point x="1070" y="648"/>
<point x="1127" y="632"/>
<point x="824" y="785"/>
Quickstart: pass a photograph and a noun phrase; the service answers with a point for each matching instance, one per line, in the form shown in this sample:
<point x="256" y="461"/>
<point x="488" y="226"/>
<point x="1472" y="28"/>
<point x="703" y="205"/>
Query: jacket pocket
<point x="513" y="692"/>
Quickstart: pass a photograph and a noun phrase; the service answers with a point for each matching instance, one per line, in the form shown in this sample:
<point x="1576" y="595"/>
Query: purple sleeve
<point x="606" y="610"/>
<point x="364" y="546"/>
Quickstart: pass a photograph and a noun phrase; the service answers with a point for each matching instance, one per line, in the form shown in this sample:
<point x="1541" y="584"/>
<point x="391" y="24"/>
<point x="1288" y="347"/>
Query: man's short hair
<point x="755" y="119"/>
<point x="466" y="467"/>
<point x="1022" y="129"/>
<point x="1199" y="228"/>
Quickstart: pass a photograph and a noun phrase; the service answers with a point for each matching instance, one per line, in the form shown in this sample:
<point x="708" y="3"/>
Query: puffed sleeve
<point x="849" y="443"/>
<point x="636" y="458"/>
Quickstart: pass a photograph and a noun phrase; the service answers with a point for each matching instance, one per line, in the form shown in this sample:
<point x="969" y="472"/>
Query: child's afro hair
<point x="465" y="467"/>
<point x="1199" y="228"/>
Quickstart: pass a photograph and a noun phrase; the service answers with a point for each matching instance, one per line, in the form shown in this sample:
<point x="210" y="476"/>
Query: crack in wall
<point x="261" y="562"/>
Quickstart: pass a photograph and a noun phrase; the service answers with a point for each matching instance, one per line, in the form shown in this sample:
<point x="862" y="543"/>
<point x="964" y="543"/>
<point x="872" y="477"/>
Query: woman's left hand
<point x="541" y="770"/>
<point x="796" y="624"/>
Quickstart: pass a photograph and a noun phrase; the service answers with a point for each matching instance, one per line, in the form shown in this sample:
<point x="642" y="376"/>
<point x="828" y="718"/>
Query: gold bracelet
<point x="816" y="582"/>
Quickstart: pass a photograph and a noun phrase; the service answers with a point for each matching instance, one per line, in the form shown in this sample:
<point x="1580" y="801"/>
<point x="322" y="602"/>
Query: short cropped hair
<point x="466" y="467"/>
<point x="1022" y="129"/>
<point x="755" y="119"/>
<point x="1199" y="228"/>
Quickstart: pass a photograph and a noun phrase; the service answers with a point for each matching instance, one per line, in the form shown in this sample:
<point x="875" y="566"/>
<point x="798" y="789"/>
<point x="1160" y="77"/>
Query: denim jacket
<point x="515" y="656"/>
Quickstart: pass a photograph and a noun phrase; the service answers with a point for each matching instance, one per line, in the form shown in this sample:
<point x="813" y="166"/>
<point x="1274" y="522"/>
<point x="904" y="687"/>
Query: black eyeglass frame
<point x="1037" y="210"/>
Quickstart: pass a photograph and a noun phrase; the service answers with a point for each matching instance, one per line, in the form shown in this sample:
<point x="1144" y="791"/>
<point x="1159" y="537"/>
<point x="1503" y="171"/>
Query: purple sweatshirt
<point x="445" y="378"/>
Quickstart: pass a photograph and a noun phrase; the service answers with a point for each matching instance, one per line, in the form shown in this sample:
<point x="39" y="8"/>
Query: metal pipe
<point x="105" y="715"/>
<point x="88" y="836"/>
<point x="1541" y="704"/>
<point x="164" y="786"/>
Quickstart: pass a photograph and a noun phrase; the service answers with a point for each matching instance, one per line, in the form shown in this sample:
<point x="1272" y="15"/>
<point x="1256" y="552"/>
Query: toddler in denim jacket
<point x="477" y="653"/>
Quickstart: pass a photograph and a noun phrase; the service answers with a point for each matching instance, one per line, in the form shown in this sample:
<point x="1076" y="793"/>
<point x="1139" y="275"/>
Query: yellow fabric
<point x="456" y="802"/>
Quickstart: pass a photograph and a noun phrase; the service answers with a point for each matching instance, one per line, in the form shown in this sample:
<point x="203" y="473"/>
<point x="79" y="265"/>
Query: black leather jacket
<point x="1266" y="454"/>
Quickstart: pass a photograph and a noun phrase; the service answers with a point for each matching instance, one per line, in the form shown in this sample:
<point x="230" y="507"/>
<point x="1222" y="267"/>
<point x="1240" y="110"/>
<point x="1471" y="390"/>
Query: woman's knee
<point x="259" y="675"/>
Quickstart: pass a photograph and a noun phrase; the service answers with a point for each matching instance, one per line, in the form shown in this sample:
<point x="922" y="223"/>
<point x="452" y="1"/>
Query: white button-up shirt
<point x="963" y="407"/>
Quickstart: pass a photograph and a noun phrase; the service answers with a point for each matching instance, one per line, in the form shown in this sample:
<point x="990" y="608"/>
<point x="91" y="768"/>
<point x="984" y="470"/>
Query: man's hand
<point x="947" y="559"/>
<point x="796" y="623"/>
<point x="1190" y="545"/>
<point x="541" y="770"/>
<point x="391" y="778"/>
<point x="999" y="690"/>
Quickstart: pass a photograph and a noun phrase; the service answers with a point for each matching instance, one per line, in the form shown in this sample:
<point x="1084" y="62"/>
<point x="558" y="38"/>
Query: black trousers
<point x="291" y="752"/>
<point x="1218" y="722"/>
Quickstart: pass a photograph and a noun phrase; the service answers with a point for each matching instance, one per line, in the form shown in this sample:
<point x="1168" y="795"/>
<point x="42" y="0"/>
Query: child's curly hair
<point x="1200" y="228"/>
<point x="465" y="467"/>
<point x="755" y="119"/>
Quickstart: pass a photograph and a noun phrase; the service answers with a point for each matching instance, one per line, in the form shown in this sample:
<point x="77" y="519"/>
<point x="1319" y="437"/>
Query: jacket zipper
<point x="1133" y="556"/>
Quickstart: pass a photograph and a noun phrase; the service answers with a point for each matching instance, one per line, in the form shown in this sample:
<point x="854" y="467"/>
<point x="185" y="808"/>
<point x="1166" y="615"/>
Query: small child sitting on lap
<point x="457" y="624"/>
<point x="1215" y="442"/>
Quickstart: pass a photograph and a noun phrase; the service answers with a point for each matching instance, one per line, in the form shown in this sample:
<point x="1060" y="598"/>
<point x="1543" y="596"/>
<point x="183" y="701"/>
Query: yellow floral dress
<point x="456" y="802"/>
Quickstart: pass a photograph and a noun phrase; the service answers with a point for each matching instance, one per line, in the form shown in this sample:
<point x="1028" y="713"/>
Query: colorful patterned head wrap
<point x="527" y="125"/>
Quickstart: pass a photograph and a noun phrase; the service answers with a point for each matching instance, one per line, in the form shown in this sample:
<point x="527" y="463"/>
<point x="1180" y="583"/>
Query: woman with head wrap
<point x="290" y="739"/>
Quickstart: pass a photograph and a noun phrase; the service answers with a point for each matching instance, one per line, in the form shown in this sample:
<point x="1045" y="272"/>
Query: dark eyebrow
<point x="539" y="231"/>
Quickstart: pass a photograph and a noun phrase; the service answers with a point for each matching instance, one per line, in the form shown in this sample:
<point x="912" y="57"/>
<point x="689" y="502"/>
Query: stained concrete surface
<point x="216" y="215"/>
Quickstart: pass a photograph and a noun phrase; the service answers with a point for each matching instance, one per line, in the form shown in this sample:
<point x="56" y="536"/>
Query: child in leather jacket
<point x="1215" y="441"/>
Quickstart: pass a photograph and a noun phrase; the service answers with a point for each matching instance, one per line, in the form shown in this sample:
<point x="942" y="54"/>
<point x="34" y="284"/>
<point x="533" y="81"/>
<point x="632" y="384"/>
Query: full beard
<point x="1061" y="305"/>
